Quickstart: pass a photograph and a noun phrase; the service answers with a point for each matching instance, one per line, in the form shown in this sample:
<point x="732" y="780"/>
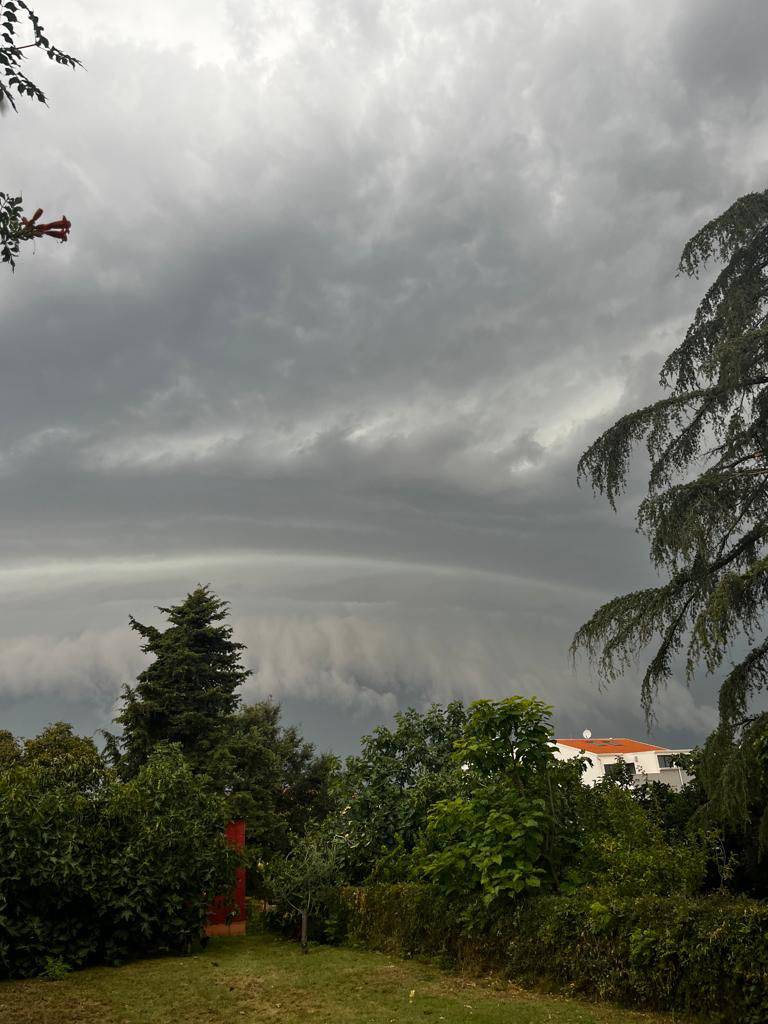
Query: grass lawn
<point x="266" y="979"/>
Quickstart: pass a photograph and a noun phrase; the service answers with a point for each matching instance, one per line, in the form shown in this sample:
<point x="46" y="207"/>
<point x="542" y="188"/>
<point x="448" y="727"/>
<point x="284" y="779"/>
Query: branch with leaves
<point x="16" y="18"/>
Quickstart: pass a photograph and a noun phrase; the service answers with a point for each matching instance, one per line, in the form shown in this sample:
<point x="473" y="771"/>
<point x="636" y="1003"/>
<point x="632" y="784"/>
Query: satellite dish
<point x="587" y="734"/>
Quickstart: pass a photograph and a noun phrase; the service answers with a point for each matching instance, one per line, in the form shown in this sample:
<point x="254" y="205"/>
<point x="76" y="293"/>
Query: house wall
<point x="645" y="761"/>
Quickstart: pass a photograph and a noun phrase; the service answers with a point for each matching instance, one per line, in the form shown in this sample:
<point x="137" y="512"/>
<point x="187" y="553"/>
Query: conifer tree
<point x="189" y="692"/>
<point x="706" y="512"/>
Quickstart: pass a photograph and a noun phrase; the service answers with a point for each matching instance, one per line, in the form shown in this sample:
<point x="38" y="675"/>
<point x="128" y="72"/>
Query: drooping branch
<point x="706" y="512"/>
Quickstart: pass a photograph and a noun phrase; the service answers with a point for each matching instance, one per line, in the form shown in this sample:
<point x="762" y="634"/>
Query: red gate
<point x="226" y="915"/>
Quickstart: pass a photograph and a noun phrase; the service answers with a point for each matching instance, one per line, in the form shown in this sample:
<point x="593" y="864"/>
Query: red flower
<point x="55" y="229"/>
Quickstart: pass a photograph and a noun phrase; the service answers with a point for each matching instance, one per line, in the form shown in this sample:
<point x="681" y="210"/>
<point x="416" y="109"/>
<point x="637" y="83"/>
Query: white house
<point x="647" y="762"/>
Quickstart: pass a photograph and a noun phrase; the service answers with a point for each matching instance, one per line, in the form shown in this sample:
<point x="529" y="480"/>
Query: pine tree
<point x="189" y="692"/>
<point x="705" y="515"/>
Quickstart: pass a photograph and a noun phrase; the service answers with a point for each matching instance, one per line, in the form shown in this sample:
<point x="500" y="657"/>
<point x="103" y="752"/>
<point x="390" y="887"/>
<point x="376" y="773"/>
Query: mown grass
<point x="264" y="979"/>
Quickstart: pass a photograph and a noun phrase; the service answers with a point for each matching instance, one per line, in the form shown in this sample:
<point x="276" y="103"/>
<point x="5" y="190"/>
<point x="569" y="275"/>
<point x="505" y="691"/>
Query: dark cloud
<point x="350" y="287"/>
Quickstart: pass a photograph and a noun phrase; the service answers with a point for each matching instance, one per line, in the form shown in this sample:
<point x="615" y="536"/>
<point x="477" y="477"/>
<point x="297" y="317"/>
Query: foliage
<point x="302" y="880"/>
<point x="510" y="828"/>
<point x="674" y="811"/>
<point x="65" y="757"/>
<point x="704" y="955"/>
<point x="705" y="514"/>
<point x="404" y="918"/>
<point x="276" y="780"/>
<point x="384" y="794"/>
<point x="10" y="749"/>
<point x="10" y="227"/>
<point x="732" y="772"/>
<point x="626" y="854"/>
<point x="96" y="869"/>
<point x="55" y="969"/>
<point x="188" y="693"/>
<point x="15" y="15"/>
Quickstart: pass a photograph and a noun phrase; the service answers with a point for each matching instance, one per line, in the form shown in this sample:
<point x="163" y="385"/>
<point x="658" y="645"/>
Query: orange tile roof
<point x="613" y="745"/>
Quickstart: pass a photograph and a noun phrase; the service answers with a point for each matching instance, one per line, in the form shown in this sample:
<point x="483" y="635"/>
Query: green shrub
<point x="510" y="827"/>
<point x="705" y="954"/>
<point x="625" y="853"/>
<point x="103" y="870"/>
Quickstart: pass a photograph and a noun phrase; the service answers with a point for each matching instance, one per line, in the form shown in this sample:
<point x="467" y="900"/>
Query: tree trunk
<point x="303" y="931"/>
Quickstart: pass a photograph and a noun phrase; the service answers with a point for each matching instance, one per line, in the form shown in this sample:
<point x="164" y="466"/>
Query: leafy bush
<point x="705" y="954"/>
<point x="385" y="793"/>
<point x="625" y="853"/>
<point x="94" y="869"/>
<point x="510" y="828"/>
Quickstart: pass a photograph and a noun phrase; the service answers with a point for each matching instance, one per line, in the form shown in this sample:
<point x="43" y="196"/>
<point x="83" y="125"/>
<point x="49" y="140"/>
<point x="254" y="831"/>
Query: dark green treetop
<point x="65" y="756"/>
<point x="188" y="693"/>
<point x="385" y="792"/>
<point x="276" y="780"/>
<point x="706" y="513"/>
<point x="10" y="749"/>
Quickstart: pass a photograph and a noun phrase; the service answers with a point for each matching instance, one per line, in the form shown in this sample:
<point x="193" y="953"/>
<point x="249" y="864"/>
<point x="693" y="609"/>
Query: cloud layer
<point x="353" y="280"/>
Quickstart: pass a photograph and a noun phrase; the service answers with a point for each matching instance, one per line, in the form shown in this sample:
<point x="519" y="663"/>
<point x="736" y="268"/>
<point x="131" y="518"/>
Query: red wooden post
<point x="226" y="915"/>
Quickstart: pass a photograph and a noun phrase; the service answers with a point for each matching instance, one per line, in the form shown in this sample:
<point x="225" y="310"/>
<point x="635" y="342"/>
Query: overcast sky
<point x="351" y="285"/>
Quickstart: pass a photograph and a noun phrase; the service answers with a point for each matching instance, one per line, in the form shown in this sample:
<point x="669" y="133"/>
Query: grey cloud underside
<point x="362" y="287"/>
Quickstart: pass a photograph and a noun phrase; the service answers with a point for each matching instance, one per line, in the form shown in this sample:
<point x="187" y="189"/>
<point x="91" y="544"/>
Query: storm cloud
<point x="350" y="286"/>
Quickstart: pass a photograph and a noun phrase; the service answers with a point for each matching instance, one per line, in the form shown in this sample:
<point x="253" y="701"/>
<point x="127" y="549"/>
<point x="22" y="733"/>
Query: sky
<point x="351" y="284"/>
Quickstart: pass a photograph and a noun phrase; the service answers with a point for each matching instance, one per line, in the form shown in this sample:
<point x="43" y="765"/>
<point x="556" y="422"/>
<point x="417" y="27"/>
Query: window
<point x="666" y="760"/>
<point x="620" y="770"/>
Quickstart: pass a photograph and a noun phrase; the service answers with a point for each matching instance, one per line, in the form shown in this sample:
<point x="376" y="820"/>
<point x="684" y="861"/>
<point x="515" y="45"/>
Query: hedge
<point x="706" y="955"/>
<point x="103" y="873"/>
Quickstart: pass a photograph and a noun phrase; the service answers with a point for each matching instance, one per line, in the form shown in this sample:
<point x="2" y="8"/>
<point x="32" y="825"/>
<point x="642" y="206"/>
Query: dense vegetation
<point x="454" y="831"/>
<point x="705" y="954"/>
<point x="622" y="892"/>
<point x="110" y="854"/>
<point x="96" y="870"/>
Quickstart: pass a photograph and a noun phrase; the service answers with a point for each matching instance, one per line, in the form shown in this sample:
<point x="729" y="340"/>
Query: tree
<point x="299" y="882"/>
<point x="629" y="850"/>
<point x="14" y="227"/>
<point x="99" y="873"/>
<point x="10" y="749"/>
<point x="706" y="514"/>
<point x="732" y="771"/>
<point x="277" y="781"/>
<point x="189" y="692"/>
<point x="385" y="792"/>
<point x="511" y="828"/>
<point x="65" y="756"/>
